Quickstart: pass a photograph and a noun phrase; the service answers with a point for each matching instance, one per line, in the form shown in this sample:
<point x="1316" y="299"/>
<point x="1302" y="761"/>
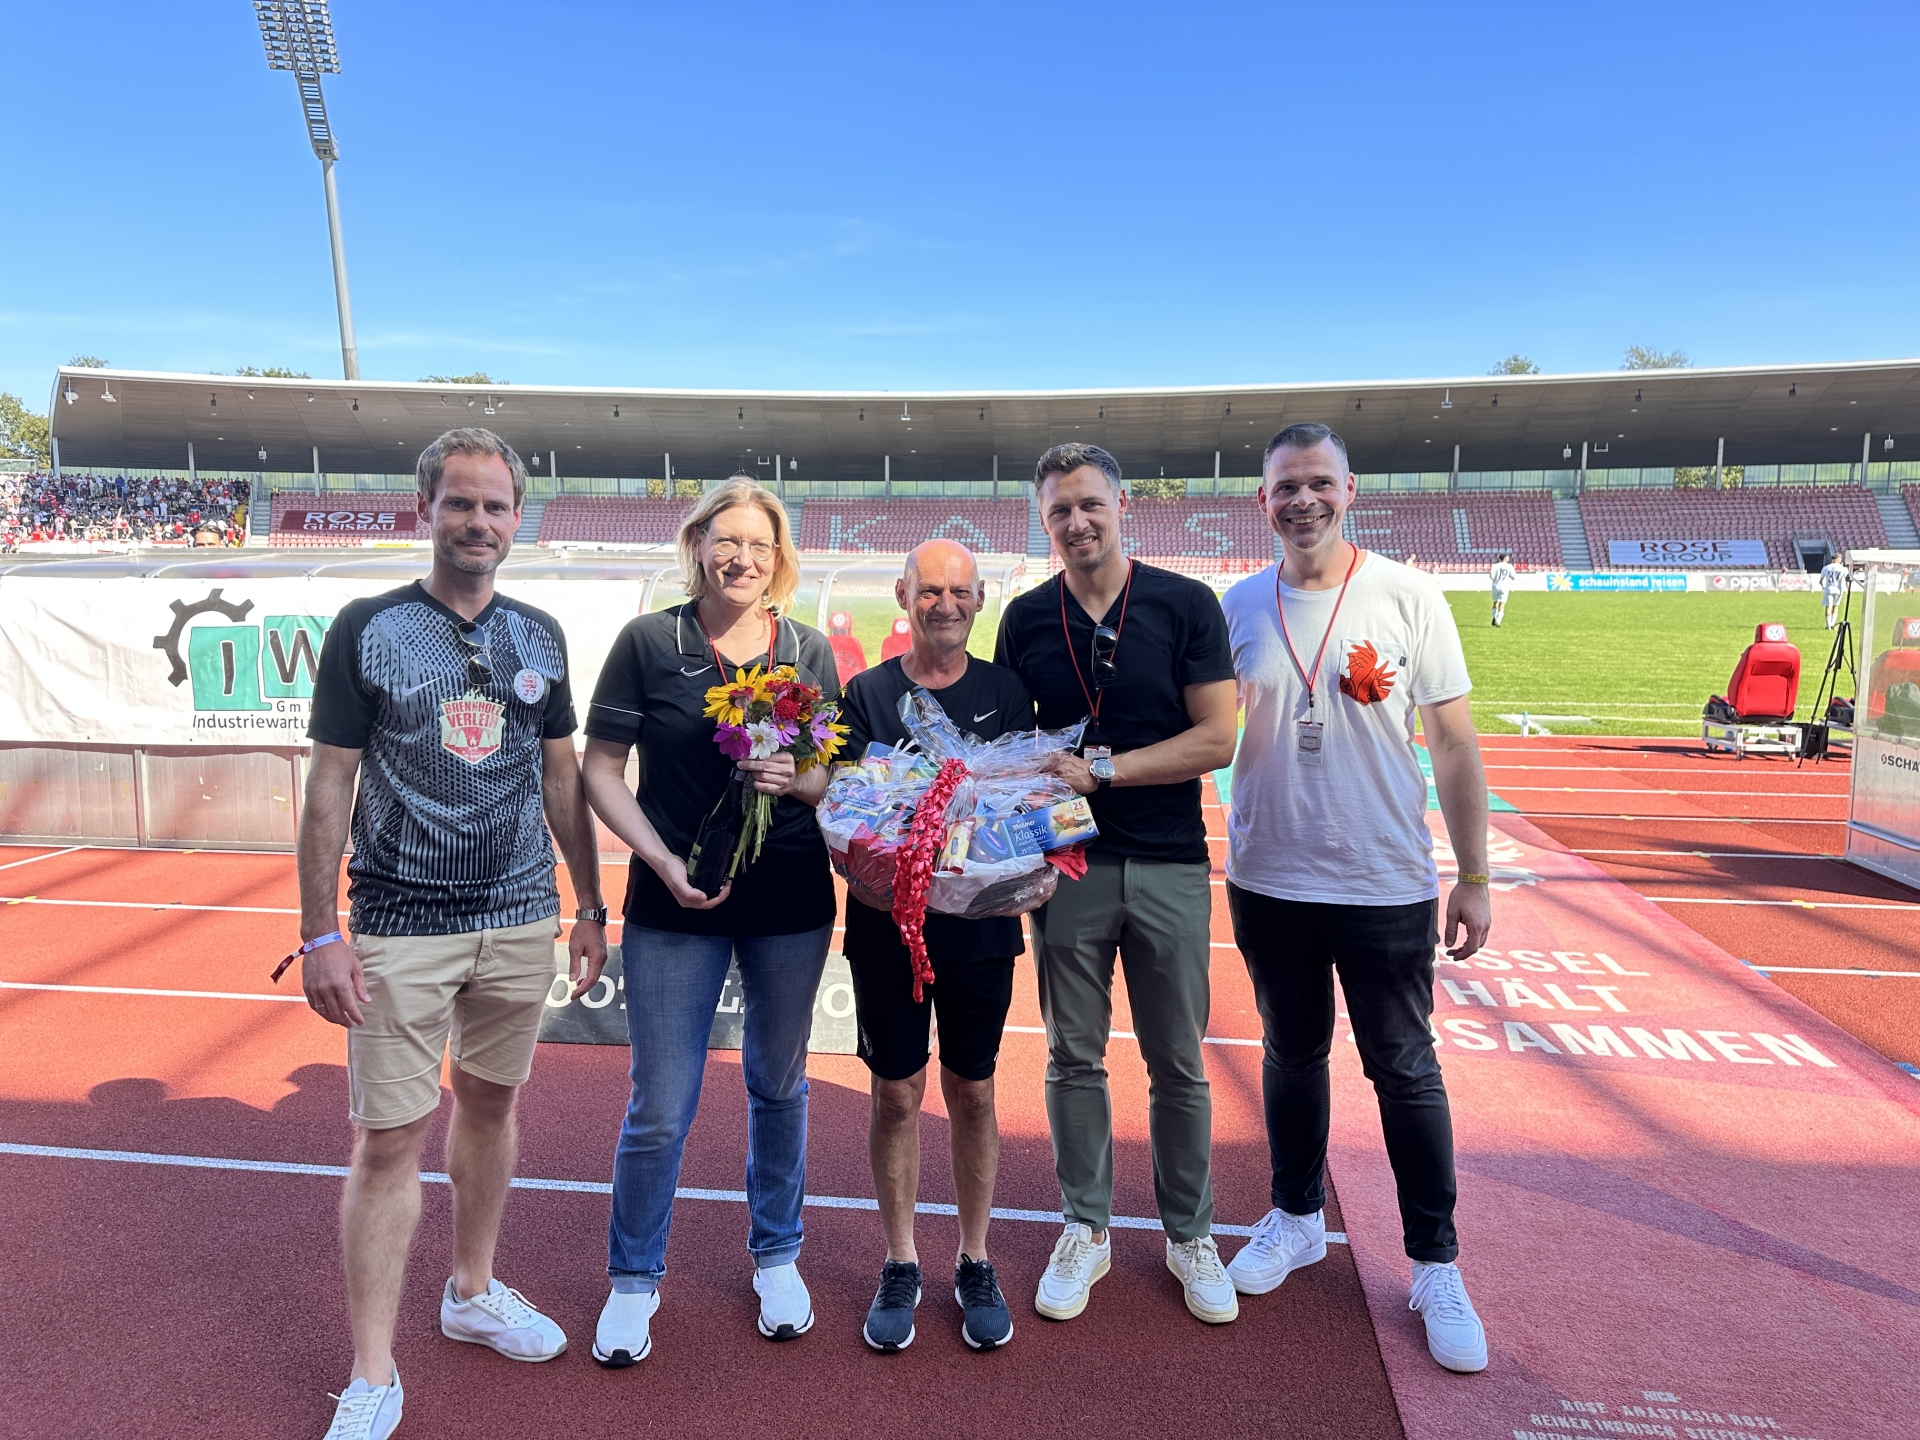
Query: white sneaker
<point x="623" y="1337"/>
<point x="1455" y="1336"/>
<point x="367" y="1412"/>
<point x="786" y="1310"/>
<point x="502" y="1320"/>
<point x="1196" y="1264"/>
<point x="1075" y="1264"/>
<point x="1281" y="1244"/>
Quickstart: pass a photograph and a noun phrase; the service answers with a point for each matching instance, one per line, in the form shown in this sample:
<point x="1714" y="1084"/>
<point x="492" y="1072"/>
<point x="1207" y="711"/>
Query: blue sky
<point x="912" y="197"/>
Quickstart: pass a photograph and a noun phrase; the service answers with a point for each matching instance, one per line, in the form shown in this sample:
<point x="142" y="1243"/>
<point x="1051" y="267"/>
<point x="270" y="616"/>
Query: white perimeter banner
<point x="132" y="661"/>
<point x="1713" y="554"/>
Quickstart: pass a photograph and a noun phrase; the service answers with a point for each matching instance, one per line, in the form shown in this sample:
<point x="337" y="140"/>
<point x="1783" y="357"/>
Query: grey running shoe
<point x="889" y="1326"/>
<point x="986" y="1322"/>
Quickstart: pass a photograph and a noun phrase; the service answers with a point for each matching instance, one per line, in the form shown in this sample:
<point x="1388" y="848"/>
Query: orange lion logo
<point x="1367" y="679"/>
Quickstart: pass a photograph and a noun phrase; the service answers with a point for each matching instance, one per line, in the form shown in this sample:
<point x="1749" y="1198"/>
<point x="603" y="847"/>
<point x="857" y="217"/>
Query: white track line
<point x="1816" y="970"/>
<point x="1651" y="770"/>
<point x="1788" y="904"/>
<point x="1718" y="854"/>
<point x="297" y="999"/>
<point x="32" y="859"/>
<point x="573" y="1187"/>
<point x="1662" y="790"/>
<point x="1688" y="818"/>
<point x="147" y="905"/>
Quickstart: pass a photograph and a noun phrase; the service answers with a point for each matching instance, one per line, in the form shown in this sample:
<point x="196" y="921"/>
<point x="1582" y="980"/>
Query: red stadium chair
<point x="849" y="655"/>
<point x="1893" y="681"/>
<point x="1756" y="713"/>
<point x="899" y="640"/>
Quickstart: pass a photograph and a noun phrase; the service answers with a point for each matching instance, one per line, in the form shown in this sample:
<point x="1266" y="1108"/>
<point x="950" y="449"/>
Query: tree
<point x="1515" y="364"/>
<point x="88" y="362"/>
<point x="478" y="377"/>
<point x="1640" y="357"/>
<point x="1157" y="489"/>
<point x="23" y="434"/>
<point x="273" y="372"/>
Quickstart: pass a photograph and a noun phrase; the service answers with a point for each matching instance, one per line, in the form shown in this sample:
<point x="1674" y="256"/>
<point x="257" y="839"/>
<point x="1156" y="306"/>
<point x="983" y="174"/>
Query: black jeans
<point x="1384" y="954"/>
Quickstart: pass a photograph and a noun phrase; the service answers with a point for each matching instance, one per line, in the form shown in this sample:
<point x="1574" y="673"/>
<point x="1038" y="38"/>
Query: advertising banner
<point x="1558" y="581"/>
<point x="1714" y="554"/>
<point x="373" y="524"/>
<point x="132" y="661"/>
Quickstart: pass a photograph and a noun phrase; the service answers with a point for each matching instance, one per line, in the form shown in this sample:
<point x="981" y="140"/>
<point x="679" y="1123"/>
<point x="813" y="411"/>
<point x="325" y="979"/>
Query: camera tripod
<point x="1815" y="737"/>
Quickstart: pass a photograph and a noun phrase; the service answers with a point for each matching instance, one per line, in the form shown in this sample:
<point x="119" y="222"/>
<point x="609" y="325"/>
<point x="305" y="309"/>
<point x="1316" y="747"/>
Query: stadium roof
<point x="1766" y="414"/>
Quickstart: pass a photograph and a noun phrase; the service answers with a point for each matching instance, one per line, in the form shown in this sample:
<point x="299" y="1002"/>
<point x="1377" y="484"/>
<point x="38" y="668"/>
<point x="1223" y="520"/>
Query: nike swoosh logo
<point x="701" y="671"/>
<point x="416" y="689"/>
<point x="978" y="718"/>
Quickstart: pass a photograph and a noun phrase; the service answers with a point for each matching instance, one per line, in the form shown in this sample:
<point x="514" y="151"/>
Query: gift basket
<point x="954" y="824"/>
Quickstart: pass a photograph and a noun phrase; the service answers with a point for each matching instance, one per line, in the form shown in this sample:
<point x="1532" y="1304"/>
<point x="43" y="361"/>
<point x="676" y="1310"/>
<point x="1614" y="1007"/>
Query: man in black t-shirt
<point x="972" y="966"/>
<point x="1141" y="654"/>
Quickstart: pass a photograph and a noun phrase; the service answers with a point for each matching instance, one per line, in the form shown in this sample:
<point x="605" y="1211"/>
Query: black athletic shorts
<point x="972" y="997"/>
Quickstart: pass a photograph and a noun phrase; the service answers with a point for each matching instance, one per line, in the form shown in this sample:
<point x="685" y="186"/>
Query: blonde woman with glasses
<point x="774" y="918"/>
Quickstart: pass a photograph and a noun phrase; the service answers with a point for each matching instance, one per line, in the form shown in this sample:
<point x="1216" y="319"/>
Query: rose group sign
<point x="1710" y="554"/>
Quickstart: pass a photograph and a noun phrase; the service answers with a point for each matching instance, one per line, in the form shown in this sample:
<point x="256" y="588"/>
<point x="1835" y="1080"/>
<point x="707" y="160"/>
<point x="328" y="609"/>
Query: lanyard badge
<point x="1310" y="733"/>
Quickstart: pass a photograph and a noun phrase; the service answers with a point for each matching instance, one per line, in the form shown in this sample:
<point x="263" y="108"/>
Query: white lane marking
<point x="572" y="1187"/>
<point x="1129" y="1035"/>
<point x="136" y="990"/>
<point x="1657" y="790"/>
<point x="149" y="905"/>
<point x="1717" y="854"/>
<point x="1688" y="819"/>
<point x="1789" y="904"/>
<point x="1816" y="970"/>
<point x="33" y="859"/>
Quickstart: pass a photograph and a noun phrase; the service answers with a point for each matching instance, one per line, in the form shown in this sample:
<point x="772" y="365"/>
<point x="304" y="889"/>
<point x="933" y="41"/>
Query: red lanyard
<point x="1321" y="653"/>
<point x="773" y="635"/>
<point x="1093" y="701"/>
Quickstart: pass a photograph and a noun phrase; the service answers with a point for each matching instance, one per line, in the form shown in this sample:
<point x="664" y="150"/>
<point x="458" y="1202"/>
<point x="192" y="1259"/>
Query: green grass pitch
<point x="1630" y="664"/>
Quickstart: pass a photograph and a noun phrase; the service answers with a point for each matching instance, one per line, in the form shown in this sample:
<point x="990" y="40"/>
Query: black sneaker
<point x="889" y="1324"/>
<point x="986" y="1322"/>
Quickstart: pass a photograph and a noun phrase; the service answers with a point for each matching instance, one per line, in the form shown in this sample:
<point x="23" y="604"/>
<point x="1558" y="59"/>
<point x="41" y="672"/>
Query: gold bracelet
<point x="1473" y="880"/>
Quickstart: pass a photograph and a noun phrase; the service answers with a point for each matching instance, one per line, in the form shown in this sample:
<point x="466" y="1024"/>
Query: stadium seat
<point x="1765" y="685"/>
<point x="899" y="640"/>
<point x="1844" y="516"/>
<point x="614" y="520"/>
<point x="839" y="527"/>
<point x="849" y="655"/>
<point x="1893" y="681"/>
<point x="1457" y="533"/>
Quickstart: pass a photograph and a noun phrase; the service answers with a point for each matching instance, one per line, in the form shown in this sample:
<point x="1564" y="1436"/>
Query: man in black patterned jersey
<point x="453" y="708"/>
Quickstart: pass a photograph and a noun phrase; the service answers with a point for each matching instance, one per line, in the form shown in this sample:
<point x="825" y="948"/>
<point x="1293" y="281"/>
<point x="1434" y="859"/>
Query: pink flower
<point x="821" y="729"/>
<point x="787" y="731"/>
<point x="733" y="740"/>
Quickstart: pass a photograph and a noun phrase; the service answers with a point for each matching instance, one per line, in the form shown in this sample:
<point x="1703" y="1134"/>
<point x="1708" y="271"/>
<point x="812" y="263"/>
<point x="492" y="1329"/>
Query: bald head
<point x="943" y="558"/>
<point x="940" y="592"/>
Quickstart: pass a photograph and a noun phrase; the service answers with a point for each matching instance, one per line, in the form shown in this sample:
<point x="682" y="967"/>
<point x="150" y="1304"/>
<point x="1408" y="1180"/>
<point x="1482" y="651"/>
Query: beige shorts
<point x="484" y="989"/>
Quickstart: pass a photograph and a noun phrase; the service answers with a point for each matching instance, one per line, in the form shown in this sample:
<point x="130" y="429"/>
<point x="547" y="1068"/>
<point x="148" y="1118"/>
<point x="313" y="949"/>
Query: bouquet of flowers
<point x="760" y="714"/>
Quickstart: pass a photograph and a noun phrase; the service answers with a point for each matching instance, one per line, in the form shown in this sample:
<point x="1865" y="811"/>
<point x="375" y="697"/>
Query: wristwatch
<point x="1102" y="772"/>
<point x="597" y="913"/>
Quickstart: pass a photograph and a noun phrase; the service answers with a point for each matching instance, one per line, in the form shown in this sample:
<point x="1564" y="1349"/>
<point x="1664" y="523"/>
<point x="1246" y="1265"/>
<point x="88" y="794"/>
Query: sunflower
<point x="728" y="703"/>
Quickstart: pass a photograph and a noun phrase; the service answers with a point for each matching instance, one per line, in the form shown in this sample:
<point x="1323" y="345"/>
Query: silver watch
<point x="597" y="913"/>
<point x="1102" y="771"/>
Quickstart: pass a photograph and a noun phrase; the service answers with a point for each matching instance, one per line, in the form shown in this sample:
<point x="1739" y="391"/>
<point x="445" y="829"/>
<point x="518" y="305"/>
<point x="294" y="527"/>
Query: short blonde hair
<point x="735" y="491"/>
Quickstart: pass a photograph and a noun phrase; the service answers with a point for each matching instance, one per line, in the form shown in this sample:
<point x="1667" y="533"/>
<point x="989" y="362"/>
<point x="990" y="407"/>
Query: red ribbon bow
<point x="913" y="872"/>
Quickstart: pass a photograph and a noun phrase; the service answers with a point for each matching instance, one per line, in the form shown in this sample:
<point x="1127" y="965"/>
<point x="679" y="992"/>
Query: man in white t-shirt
<point x="1833" y="587"/>
<point x="1330" y="864"/>
<point x="1502" y="574"/>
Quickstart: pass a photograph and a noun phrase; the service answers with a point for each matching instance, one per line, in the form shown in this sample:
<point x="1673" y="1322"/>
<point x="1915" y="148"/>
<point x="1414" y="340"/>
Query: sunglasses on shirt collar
<point x="1105" y="641"/>
<point x="479" y="657"/>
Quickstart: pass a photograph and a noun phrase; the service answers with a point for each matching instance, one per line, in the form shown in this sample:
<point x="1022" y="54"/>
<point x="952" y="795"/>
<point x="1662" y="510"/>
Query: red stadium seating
<point x="849" y="655"/>
<point x="1208" y="533"/>
<point x="1911" y="494"/>
<point x="615" y="520"/>
<point x="996" y="527"/>
<point x="1459" y="532"/>
<point x="1842" y="515"/>
<point x="356" y="501"/>
<point x="899" y="640"/>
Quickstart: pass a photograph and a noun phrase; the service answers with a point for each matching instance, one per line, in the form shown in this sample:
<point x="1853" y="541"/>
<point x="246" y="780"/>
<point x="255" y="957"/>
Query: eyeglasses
<point x="479" y="670"/>
<point x="1105" y="641"/>
<point x="725" y="547"/>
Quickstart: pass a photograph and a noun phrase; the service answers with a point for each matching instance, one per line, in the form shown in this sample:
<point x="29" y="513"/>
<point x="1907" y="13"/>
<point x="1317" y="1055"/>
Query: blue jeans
<point x="673" y="984"/>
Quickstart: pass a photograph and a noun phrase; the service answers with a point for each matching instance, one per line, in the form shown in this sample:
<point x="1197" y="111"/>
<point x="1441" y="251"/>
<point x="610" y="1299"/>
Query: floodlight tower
<point x="299" y="37"/>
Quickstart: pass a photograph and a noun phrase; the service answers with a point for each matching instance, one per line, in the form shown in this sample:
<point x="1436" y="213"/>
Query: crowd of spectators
<point x="148" y="511"/>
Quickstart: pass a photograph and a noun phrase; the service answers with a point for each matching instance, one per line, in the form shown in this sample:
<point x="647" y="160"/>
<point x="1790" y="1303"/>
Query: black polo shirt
<point x="651" y="694"/>
<point x="1174" y="636"/>
<point x="987" y="701"/>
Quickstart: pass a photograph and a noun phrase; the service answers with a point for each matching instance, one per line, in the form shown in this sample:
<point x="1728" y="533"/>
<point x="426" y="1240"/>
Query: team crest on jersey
<point x="470" y="727"/>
